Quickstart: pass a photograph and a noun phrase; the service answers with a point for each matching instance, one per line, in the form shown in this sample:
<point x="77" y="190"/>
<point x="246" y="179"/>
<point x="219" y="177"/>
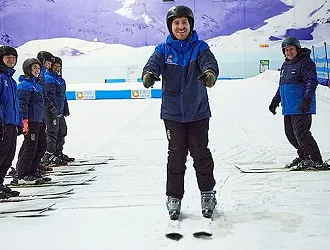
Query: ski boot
<point x="43" y="169"/>
<point x="49" y="159"/>
<point x="8" y="191"/>
<point x="13" y="172"/>
<point x="309" y="164"/>
<point x="41" y="177"/>
<point x="3" y="195"/>
<point x="173" y="206"/>
<point x="294" y="162"/>
<point x="208" y="202"/>
<point x="65" y="158"/>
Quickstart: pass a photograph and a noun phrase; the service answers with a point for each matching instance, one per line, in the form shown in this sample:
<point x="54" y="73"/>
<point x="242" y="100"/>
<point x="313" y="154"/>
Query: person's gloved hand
<point x="208" y="78"/>
<point x="149" y="78"/>
<point x="25" y="126"/>
<point x="273" y="105"/>
<point x="305" y="105"/>
<point x="52" y="109"/>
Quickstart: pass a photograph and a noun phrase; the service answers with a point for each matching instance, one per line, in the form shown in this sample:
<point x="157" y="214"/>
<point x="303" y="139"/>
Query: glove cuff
<point x="209" y="71"/>
<point x="151" y="74"/>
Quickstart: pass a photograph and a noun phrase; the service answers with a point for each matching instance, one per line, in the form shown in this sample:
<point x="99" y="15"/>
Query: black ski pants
<point x="62" y="132"/>
<point x="32" y="149"/>
<point x="52" y="126"/>
<point x="7" y="149"/>
<point x="297" y="130"/>
<point x="184" y="137"/>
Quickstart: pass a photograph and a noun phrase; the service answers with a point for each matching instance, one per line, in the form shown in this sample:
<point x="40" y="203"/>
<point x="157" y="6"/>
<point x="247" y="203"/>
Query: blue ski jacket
<point x="66" y="111"/>
<point x="184" y="97"/>
<point x="31" y="100"/>
<point x="298" y="80"/>
<point x="55" y="91"/>
<point x="9" y="103"/>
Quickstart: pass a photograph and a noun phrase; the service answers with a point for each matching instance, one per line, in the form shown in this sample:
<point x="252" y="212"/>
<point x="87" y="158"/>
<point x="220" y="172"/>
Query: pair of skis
<point x="87" y="162"/>
<point x="174" y="231"/>
<point x="58" y="182"/>
<point x="276" y="170"/>
<point x="28" y="208"/>
<point x="73" y="168"/>
<point x="26" y="196"/>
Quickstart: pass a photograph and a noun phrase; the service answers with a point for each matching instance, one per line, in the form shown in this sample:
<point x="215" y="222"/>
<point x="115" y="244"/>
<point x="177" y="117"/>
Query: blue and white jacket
<point x="184" y="97"/>
<point x="55" y="88"/>
<point x="9" y="103"/>
<point x="298" y="80"/>
<point x="31" y="100"/>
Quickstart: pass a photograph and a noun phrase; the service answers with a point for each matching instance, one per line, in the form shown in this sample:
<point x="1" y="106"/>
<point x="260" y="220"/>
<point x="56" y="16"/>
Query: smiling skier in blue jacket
<point x="10" y="116"/>
<point x="296" y="93"/>
<point x="31" y="100"/>
<point x="187" y="67"/>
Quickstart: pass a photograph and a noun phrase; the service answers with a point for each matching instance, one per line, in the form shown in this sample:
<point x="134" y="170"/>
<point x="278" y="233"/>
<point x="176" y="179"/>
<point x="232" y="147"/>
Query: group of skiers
<point x="35" y="107"/>
<point x="187" y="67"/>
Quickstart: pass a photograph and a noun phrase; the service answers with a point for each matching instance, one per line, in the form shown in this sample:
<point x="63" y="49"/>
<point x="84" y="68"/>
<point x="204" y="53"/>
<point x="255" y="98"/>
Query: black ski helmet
<point x="27" y="64"/>
<point x="57" y="60"/>
<point x="7" y="50"/>
<point x="43" y="56"/>
<point x="179" y="11"/>
<point x="291" y="41"/>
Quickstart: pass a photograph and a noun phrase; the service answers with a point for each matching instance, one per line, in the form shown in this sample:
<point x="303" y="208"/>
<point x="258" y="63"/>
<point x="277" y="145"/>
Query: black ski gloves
<point x="305" y="105"/>
<point x="208" y="78"/>
<point x="52" y="109"/>
<point x="273" y="105"/>
<point x="149" y="79"/>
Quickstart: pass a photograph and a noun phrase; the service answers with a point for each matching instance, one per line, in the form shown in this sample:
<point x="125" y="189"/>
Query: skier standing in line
<point x="10" y="116"/>
<point x="187" y="67"/>
<point x="296" y="93"/>
<point x="46" y="58"/>
<point x="32" y="108"/>
<point x="53" y="111"/>
<point x="64" y="112"/>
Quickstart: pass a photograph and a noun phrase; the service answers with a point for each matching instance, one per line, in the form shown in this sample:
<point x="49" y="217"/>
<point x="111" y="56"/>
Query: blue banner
<point x="322" y="62"/>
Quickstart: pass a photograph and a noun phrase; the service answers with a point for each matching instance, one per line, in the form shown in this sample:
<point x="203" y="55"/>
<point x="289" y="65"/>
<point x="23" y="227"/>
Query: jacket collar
<point x="182" y="45"/>
<point x="6" y="70"/>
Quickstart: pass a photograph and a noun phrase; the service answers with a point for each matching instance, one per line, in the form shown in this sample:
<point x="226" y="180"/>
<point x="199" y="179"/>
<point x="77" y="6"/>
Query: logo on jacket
<point x="282" y="73"/>
<point x="169" y="58"/>
<point x="293" y="71"/>
<point x="6" y="83"/>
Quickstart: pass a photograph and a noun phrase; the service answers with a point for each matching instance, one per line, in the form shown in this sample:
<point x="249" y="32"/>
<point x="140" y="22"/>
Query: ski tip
<point x="202" y="235"/>
<point x="70" y="191"/>
<point x="239" y="169"/>
<point x="174" y="236"/>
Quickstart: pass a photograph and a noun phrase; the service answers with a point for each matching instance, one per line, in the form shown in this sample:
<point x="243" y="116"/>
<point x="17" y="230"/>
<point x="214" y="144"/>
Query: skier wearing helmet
<point x="45" y="58"/>
<point x="64" y="112"/>
<point x="296" y="93"/>
<point x="31" y="101"/>
<point x="10" y="116"/>
<point x="54" y="106"/>
<point x="187" y="66"/>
